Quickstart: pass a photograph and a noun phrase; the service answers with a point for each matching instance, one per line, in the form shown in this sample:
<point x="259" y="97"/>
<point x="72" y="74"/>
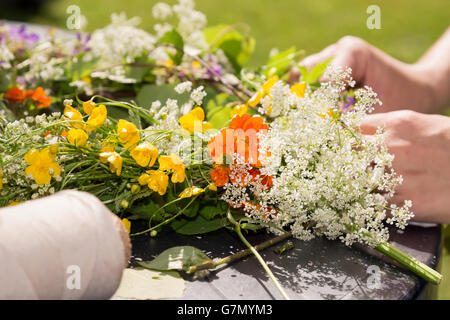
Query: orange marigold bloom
<point x="40" y="98"/>
<point x="219" y="174"/>
<point x="15" y="94"/>
<point x="241" y="137"/>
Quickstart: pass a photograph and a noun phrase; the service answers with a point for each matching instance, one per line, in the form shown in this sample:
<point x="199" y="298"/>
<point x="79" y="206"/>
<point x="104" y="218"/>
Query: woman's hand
<point x="422" y="87"/>
<point x="421" y="145"/>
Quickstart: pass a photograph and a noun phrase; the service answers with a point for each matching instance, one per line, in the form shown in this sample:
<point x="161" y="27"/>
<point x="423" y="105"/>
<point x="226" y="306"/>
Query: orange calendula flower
<point x="127" y="224"/>
<point x="77" y="137"/>
<point x="42" y="165"/>
<point x="15" y="94"/>
<point x="40" y="98"/>
<point x="299" y="89"/>
<point x="88" y="106"/>
<point x="220" y="175"/>
<point x="193" y="121"/>
<point x="97" y="118"/>
<point x="174" y="163"/>
<point x="156" y="180"/>
<point x="114" y="159"/>
<point x="74" y="115"/>
<point x="128" y="133"/>
<point x="190" y="192"/>
<point x="242" y="137"/>
<point x="145" y="154"/>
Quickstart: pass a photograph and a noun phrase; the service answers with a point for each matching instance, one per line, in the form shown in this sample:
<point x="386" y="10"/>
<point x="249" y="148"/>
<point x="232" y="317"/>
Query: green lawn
<point x="409" y="27"/>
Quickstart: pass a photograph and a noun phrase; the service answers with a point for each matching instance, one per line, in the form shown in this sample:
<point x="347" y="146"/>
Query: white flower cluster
<point x="328" y="178"/>
<point x="121" y="41"/>
<point x="190" y="22"/>
<point x="6" y="56"/>
<point x="17" y="138"/>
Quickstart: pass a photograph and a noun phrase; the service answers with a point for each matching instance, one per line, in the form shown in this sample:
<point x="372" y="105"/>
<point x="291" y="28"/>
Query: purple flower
<point x="82" y="45"/>
<point x="20" y="35"/>
<point x="349" y="102"/>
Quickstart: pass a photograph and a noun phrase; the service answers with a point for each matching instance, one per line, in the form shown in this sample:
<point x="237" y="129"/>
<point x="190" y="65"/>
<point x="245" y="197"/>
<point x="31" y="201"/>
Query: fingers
<point x="310" y="61"/>
<point x="372" y="122"/>
<point x="348" y="52"/>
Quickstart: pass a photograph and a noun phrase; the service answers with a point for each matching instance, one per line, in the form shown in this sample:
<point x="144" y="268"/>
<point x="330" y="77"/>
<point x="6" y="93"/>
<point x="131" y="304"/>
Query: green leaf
<point x="147" y="210"/>
<point x="173" y="37"/>
<point x="237" y="47"/>
<point x="9" y="115"/>
<point x="316" y="72"/>
<point x="150" y="93"/>
<point x="279" y="63"/>
<point x="176" y="258"/>
<point x="221" y="117"/>
<point x="81" y="68"/>
<point x="192" y="210"/>
<point x="199" y="225"/>
<point x="209" y="212"/>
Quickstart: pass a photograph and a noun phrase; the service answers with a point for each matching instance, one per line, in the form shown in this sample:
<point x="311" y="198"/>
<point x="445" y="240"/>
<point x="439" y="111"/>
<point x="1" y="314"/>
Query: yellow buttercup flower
<point x="108" y="146"/>
<point x="212" y="186"/>
<point x="114" y="159"/>
<point x="86" y="79"/>
<point x="169" y="63"/>
<point x="127" y="224"/>
<point x="253" y="102"/>
<point x="77" y="137"/>
<point x="174" y="163"/>
<point x="145" y="154"/>
<point x="97" y="118"/>
<point x="75" y="116"/>
<point x="299" y="89"/>
<point x="128" y="133"/>
<point x="239" y="109"/>
<point x="156" y="180"/>
<point x="196" y="64"/>
<point x="42" y="165"/>
<point x="88" y="106"/>
<point x="269" y="84"/>
<point x="193" y="121"/>
<point x="265" y="89"/>
<point x="190" y="192"/>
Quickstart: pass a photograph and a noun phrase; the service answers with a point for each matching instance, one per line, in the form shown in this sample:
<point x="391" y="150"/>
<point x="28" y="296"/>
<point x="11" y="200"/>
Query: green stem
<point x="168" y="220"/>
<point x="239" y="255"/>
<point x="410" y="262"/>
<point x="237" y="228"/>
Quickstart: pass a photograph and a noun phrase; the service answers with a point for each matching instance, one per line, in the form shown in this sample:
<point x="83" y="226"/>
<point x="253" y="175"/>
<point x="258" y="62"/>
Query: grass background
<point x="408" y="28"/>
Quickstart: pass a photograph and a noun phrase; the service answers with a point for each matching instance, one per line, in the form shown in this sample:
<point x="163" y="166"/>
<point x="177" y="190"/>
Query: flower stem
<point x="410" y="262"/>
<point x="237" y="228"/>
<point x="238" y="255"/>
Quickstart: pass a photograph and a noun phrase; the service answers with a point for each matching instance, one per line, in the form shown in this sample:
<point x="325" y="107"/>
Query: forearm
<point x="435" y="66"/>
